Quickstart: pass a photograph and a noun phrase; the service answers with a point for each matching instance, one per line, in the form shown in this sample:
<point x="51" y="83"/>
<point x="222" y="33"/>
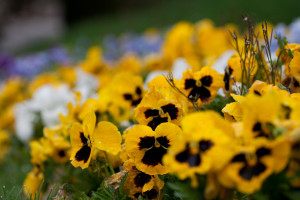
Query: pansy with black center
<point x="292" y="68"/>
<point x="61" y="151"/>
<point x="292" y="84"/>
<point x="86" y="137"/>
<point x="250" y="165"/>
<point x="201" y="86"/>
<point x="261" y="114"/>
<point x="139" y="183"/>
<point x="147" y="147"/>
<point x="233" y="71"/>
<point x="159" y="106"/>
<point x="128" y="89"/>
<point x="203" y="147"/>
<point x="59" y="145"/>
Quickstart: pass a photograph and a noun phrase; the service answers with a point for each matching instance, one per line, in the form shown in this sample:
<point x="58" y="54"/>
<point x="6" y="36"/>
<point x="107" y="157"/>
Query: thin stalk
<point x="280" y="71"/>
<point x="109" y="164"/>
<point x="170" y="80"/>
<point x="106" y="171"/>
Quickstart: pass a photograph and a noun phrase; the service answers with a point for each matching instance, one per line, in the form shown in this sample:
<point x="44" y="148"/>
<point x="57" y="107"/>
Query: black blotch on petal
<point x="260" y="132"/>
<point x="150" y="194"/>
<point x="154" y="156"/>
<point x="146" y="142"/>
<point x="199" y="92"/>
<point x="226" y="81"/>
<point x="61" y="153"/>
<point x="136" y="195"/>
<point x="195" y="92"/>
<point x="296" y="83"/>
<point x="204" y="145"/>
<point x="151" y="113"/>
<point x="239" y="158"/>
<point x="127" y="96"/>
<point x="204" y="94"/>
<point x="189" y="83"/>
<point x="157" y="121"/>
<point x="257" y="93"/>
<point x="247" y="172"/>
<point x="228" y="72"/>
<point x="141" y="179"/>
<point x="185" y="156"/>
<point x="194" y="160"/>
<point x="83" y="138"/>
<point x="171" y="109"/>
<point x="138" y="91"/>
<point x="262" y="152"/>
<point x="136" y="102"/>
<point x="257" y="127"/>
<point x="206" y="80"/>
<point x="83" y="154"/>
<point x="163" y="141"/>
<point x="98" y="116"/>
<point x="296" y="146"/>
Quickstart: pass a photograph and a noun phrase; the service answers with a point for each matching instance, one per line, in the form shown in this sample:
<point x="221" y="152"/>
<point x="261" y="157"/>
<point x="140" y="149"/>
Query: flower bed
<point x="200" y="112"/>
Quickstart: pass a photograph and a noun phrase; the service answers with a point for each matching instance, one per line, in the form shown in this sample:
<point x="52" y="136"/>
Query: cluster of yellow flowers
<point x="160" y="127"/>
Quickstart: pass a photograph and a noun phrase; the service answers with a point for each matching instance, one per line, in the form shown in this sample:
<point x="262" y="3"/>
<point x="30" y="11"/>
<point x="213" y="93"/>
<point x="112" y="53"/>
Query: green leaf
<point x="184" y="191"/>
<point x="259" y="196"/>
<point x="296" y="176"/>
<point x="282" y="86"/>
<point x="140" y="198"/>
<point x="107" y="192"/>
<point x="121" y="188"/>
<point x="293" y="195"/>
<point x="39" y="192"/>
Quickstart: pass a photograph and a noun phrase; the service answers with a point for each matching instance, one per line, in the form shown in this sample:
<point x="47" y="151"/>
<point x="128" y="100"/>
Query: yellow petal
<point x="75" y="135"/>
<point x="89" y="122"/>
<point x="295" y="66"/>
<point x="233" y="112"/>
<point x="169" y="130"/>
<point x="107" y="138"/>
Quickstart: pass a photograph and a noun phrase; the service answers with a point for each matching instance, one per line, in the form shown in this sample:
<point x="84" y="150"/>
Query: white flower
<point x="87" y="84"/>
<point x="180" y="65"/>
<point x="25" y="120"/>
<point x="49" y="101"/>
<point x="220" y="64"/>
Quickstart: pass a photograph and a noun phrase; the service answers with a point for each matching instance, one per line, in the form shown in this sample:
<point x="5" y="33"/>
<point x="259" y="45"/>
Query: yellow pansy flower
<point x="87" y="136"/>
<point x="147" y="147"/>
<point x="201" y="86"/>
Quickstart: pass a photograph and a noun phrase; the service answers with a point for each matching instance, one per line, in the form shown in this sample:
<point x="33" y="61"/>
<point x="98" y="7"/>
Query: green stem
<point x="106" y="172"/>
<point x="109" y="164"/>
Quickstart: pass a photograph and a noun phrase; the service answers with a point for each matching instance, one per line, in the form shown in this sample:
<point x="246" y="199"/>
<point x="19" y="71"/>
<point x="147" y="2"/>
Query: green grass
<point x="168" y="12"/>
<point x="15" y="165"/>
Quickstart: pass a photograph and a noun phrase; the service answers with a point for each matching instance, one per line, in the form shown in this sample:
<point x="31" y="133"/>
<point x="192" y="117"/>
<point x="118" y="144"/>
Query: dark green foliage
<point x="107" y="192"/>
<point x="275" y="187"/>
<point x="218" y="104"/>
<point x="178" y="189"/>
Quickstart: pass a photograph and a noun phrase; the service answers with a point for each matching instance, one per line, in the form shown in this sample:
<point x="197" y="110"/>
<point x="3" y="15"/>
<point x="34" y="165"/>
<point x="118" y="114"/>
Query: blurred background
<point x="41" y="35"/>
<point x="33" y="25"/>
